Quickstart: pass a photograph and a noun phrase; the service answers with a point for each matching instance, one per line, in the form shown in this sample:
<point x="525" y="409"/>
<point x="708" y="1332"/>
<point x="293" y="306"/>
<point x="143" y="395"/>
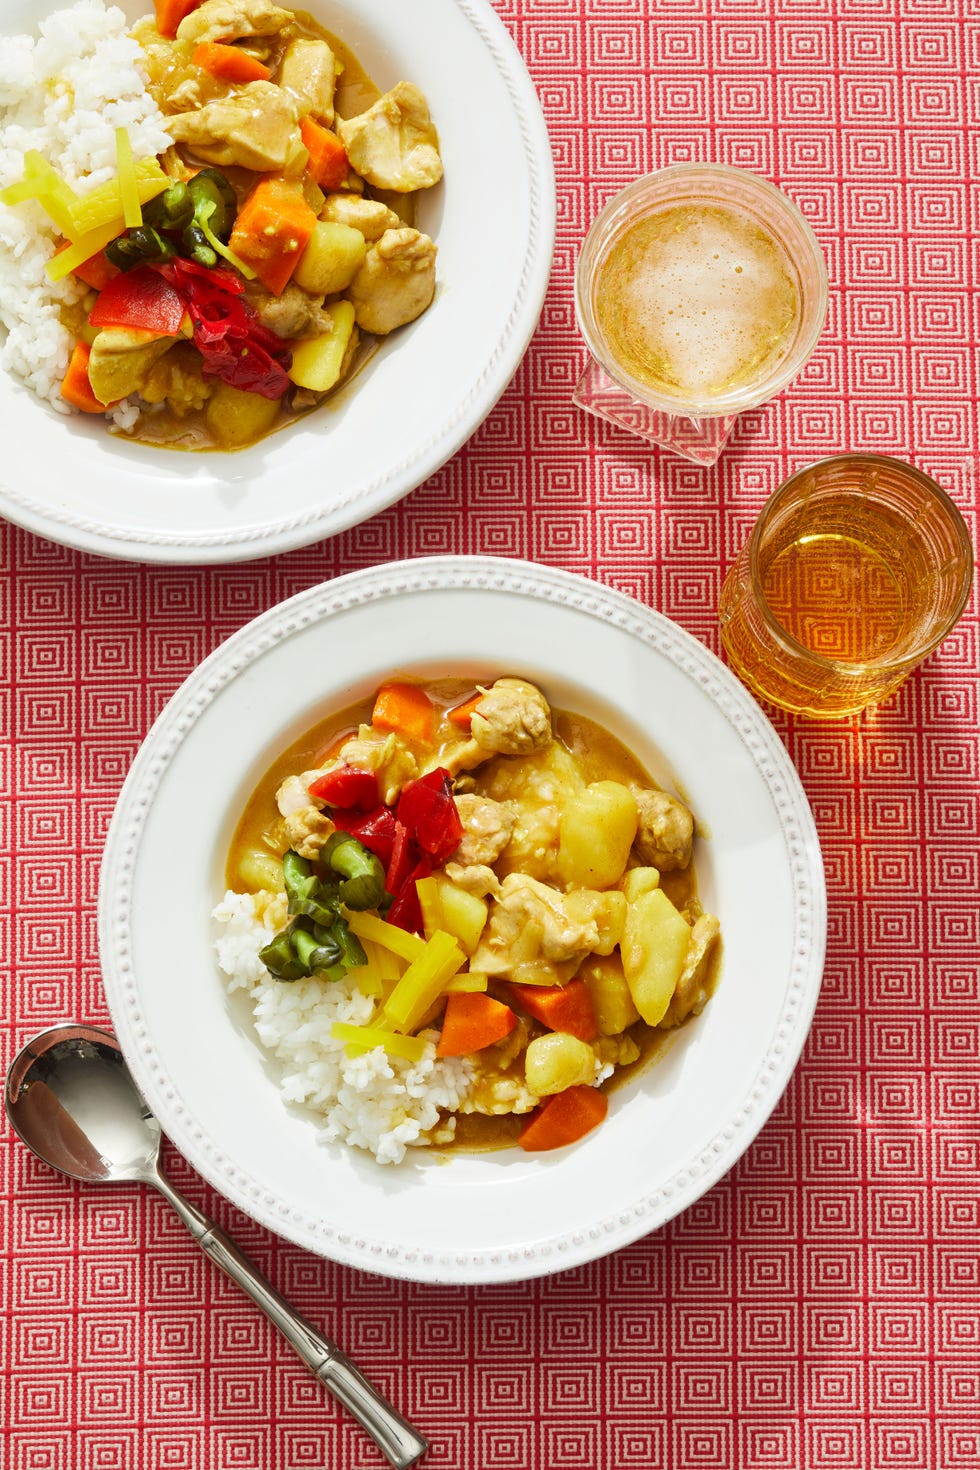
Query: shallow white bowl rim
<point x="412" y="406"/>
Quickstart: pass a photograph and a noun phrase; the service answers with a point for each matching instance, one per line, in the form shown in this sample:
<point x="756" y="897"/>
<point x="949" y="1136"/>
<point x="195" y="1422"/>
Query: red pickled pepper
<point x="234" y="345"/>
<point x="140" y="300"/>
<point x="377" y="829"/>
<point x="348" y="787"/>
<point x="406" y="911"/>
<point x="428" y="810"/>
<point x="409" y="848"/>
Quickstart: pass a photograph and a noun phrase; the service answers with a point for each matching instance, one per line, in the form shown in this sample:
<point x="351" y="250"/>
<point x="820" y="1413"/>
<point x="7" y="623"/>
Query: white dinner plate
<point x="672" y="1131"/>
<point x="415" y="402"/>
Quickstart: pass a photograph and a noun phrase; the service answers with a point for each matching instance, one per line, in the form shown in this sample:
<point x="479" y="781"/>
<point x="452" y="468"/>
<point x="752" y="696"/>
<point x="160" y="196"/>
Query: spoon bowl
<point x="70" y="1098"/>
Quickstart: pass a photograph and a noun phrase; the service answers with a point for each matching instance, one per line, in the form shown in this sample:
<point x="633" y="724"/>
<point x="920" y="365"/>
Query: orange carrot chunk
<point x="170" y="13"/>
<point x="405" y="708"/>
<point x="328" y="157"/>
<point x="228" y="63"/>
<point x="76" y="387"/>
<point x="272" y="230"/>
<point x="560" y="1007"/>
<point x="563" y="1119"/>
<point x="462" y="714"/>
<point x="473" y="1020"/>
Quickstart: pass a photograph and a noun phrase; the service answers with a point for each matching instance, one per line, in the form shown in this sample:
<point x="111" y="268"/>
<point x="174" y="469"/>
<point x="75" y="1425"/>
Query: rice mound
<point x="373" y="1101"/>
<point x="64" y="93"/>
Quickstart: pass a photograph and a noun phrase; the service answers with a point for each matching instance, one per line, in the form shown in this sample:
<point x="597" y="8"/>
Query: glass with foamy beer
<point x="700" y="291"/>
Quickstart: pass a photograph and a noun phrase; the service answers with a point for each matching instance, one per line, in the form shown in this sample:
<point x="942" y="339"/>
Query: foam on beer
<point x="697" y="299"/>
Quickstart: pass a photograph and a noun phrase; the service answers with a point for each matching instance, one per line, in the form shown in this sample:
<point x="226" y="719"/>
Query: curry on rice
<point x="489" y="898"/>
<point x="233" y="281"/>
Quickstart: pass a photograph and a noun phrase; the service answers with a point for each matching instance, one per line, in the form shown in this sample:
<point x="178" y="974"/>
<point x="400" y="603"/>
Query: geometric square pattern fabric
<point x="819" y="1309"/>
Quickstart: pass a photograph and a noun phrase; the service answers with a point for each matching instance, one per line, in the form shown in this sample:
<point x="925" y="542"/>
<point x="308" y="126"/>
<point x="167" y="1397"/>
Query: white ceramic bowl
<point x="671" y="1132"/>
<point x="418" y="399"/>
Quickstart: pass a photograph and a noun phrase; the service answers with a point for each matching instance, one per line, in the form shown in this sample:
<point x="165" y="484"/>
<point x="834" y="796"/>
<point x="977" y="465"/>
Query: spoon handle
<point x="394" y="1436"/>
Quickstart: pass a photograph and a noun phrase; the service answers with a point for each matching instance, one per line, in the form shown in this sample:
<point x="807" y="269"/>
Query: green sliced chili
<point x="363" y="885"/>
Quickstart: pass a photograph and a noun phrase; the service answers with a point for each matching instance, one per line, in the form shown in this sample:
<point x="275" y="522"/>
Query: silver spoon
<point x="71" y="1099"/>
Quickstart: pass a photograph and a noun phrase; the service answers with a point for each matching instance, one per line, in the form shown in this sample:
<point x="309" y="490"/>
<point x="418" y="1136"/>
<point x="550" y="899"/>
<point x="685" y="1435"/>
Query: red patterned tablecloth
<point x="820" y="1308"/>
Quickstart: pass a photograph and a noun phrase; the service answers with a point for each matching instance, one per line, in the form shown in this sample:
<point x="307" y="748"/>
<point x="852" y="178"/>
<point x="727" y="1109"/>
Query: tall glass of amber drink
<point x="700" y="291"/>
<point x="857" y="568"/>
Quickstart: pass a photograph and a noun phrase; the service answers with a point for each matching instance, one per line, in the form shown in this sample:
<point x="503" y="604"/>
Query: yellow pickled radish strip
<point x="391" y="967"/>
<point x="101" y="206"/>
<point x="382" y="971"/>
<point x="360" y="1039"/>
<point x="429" y="902"/>
<point x="466" y="984"/>
<point x="386" y="965"/>
<point x="43" y="183"/>
<point x="369" y="926"/>
<point x="367" y="980"/>
<point x="366" y="976"/>
<point x="79" y="216"/>
<point x="423" y="982"/>
<point x="83" y="249"/>
<point x="128" y="188"/>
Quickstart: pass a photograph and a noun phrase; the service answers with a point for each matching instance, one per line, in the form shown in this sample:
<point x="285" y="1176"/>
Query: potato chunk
<point x="452" y="909"/>
<point x="259" y="871"/>
<point x="654" y="949"/>
<point x="331" y="260"/>
<point x="236" y="418"/>
<point x="609" y="993"/>
<point x="557" y="1061"/>
<point x="639" y="880"/>
<point x="318" y="362"/>
<point x="121" y="360"/>
<point x="598" y="826"/>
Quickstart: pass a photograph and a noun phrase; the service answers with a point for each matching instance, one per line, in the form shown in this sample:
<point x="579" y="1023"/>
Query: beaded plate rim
<point x="485" y="575"/>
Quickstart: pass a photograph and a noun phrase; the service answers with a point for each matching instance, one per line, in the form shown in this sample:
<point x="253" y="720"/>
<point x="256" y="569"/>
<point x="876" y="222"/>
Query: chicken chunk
<point x="536" y="786"/>
<point x="392" y="762"/>
<point x="692" y="992"/>
<point x="255" y="127"/>
<point x="477" y="879"/>
<point x="487" y="828"/>
<point x="309" y="73"/>
<point x="396" y="283"/>
<point x="227" y="20"/>
<point x="394" y="145"/>
<point x="307" y="827"/>
<point x="512" y="718"/>
<point x="536" y="933"/>
<point x="293" y="314"/>
<point x="122" y="359"/>
<point x="369" y="216"/>
<point x="665" y="834"/>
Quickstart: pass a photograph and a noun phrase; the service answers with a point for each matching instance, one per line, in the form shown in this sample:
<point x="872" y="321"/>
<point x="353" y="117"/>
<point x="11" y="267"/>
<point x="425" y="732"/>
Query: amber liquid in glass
<point x="837" y="596"/>
<point x="854" y="600"/>
<point x="857" y="568"/>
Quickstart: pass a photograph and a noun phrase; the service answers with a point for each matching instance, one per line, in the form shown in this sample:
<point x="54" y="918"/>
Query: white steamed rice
<point x="376" y="1102"/>
<point x="64" y="93"/>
